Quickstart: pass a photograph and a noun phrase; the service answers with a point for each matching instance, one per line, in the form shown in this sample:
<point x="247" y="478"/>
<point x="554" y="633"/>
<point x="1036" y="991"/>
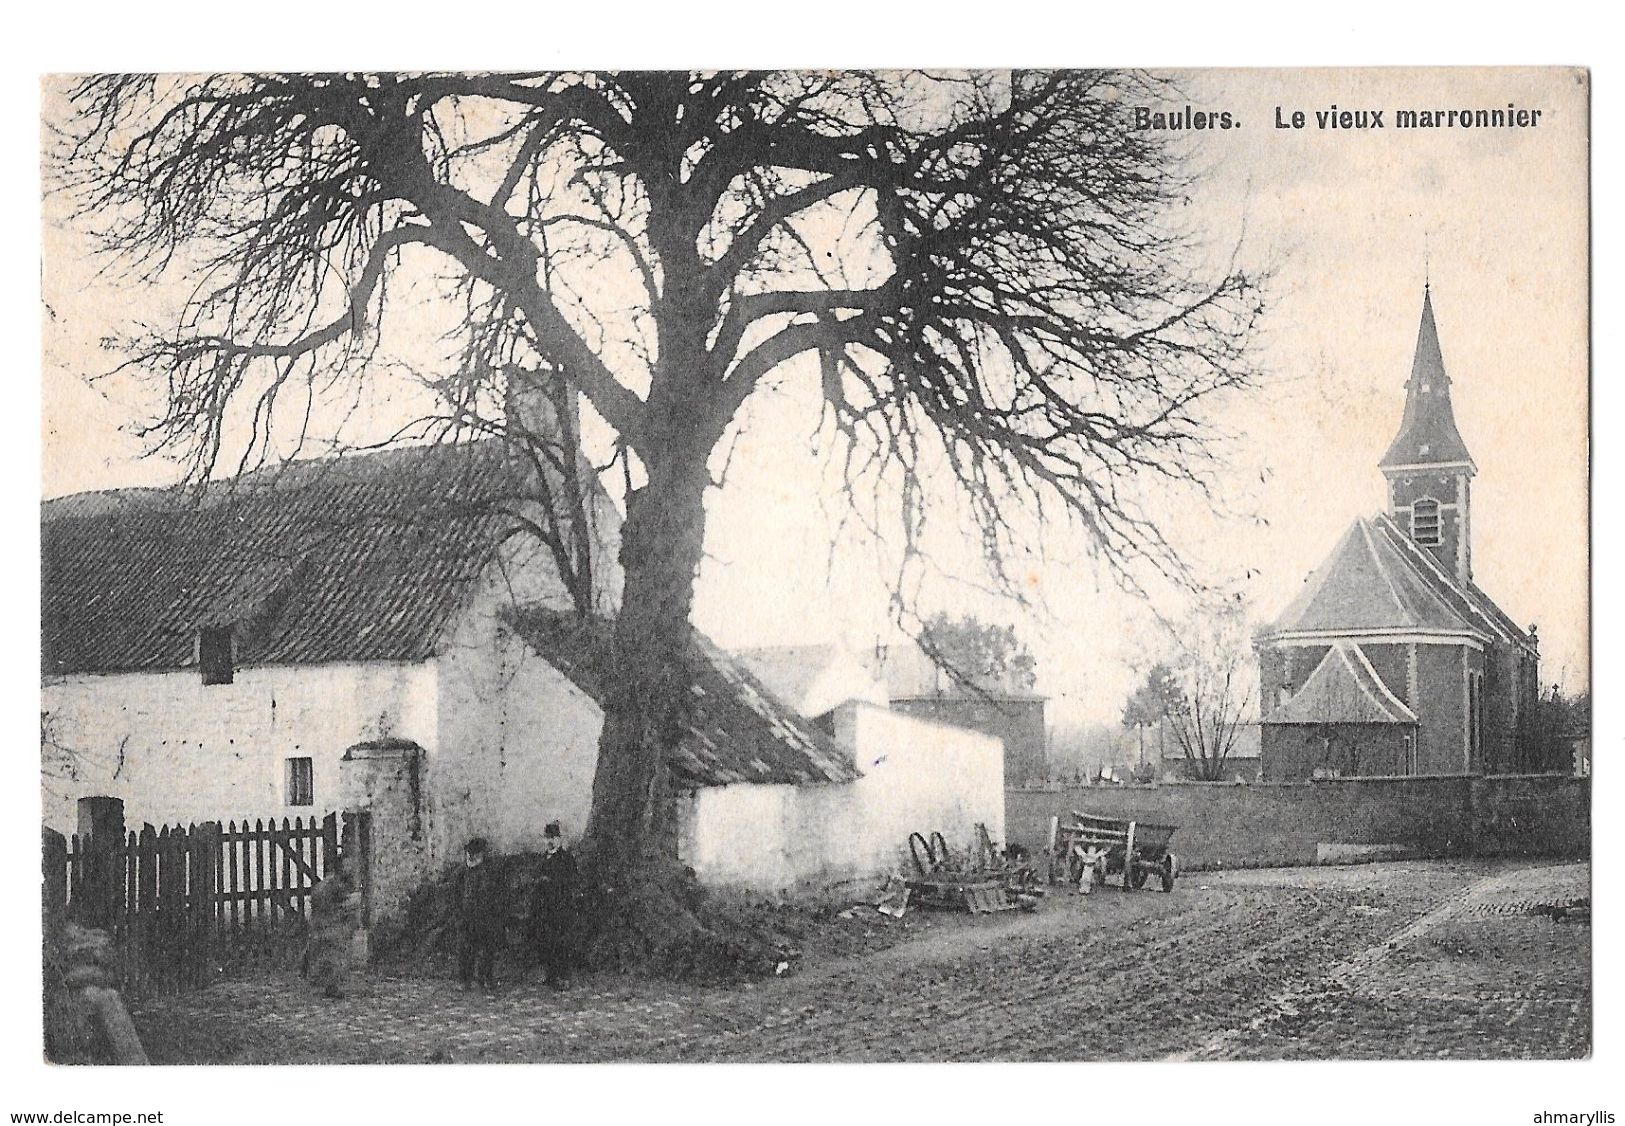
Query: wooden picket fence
<point x="187" y="903"/>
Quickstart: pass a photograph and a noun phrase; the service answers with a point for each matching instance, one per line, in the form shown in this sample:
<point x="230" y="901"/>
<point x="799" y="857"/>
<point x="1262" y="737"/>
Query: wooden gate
<point x="185" y="904"/>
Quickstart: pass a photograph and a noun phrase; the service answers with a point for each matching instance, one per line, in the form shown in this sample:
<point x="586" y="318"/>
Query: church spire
<point x="1428" y="467"/>
<point x="1427" y="432"/>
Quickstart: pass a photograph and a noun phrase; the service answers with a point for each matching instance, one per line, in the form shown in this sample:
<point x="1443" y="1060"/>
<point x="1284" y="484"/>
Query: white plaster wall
<point x="518" y="743"/>
<point x="918" y="777"/>
<point x="744" y="835"/>
<point x="923" y="777"/>
<point x="548" y="751"/>
<point x="176" y="750"/>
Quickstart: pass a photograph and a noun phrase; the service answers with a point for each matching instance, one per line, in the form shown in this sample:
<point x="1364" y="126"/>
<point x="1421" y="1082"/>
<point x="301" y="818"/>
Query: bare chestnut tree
<point x="983" y="271"/>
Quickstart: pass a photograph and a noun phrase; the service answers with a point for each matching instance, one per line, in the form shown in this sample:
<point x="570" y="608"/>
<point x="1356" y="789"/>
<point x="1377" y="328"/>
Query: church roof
<point x="355" y="558"/>
<point x="734" y="730"/>
<point x="1344" y="688"/>
<point x="1427" y="431"/>
<point x="1378" y="581"/>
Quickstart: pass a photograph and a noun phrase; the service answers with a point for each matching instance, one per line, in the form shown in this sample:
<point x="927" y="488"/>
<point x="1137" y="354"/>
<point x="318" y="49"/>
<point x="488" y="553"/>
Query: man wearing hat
<point x="553" y="907"/>
<point x="481" y="905"/>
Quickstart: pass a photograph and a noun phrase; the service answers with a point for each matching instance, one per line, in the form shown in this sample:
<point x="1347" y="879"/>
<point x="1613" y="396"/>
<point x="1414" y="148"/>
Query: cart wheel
<point x="940" y="855"/>
<point x="1169" y="868"/>
<point x="916" y="845"/>
<point x="1139" y="872"/>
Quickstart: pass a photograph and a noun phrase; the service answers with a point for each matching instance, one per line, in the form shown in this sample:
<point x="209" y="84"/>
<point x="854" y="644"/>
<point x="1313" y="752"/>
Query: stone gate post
<point x="384" y="777"/>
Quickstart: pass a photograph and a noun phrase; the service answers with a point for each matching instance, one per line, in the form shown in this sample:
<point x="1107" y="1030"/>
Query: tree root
<point x="659" y="923"/>
<point x="665" y="925"/>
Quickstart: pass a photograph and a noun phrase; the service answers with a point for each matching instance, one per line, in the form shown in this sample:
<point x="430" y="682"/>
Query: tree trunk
<point x="661" y="543"/>
<point x="646" y="911"/>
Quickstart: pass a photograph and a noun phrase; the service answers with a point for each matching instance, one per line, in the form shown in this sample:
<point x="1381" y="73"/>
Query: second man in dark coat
<point x="554" y="908"/>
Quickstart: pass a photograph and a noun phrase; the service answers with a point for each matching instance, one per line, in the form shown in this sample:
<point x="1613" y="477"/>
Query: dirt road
<point x="1401" y="960"/>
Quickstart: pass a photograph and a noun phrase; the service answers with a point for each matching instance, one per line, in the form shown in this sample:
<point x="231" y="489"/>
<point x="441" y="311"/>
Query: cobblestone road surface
<point x="1400" y="960"/>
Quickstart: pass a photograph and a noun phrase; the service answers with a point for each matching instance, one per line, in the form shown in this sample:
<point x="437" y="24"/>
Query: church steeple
<point x="1428" y="467"/>
<point x="1427" y="433"/>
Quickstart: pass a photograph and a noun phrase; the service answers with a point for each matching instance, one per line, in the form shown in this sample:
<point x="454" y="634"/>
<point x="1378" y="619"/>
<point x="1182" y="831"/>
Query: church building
<point x="1391" y="660"/>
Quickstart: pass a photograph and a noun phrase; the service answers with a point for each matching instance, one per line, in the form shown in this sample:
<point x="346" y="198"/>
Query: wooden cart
<point x="1088" y="848"/>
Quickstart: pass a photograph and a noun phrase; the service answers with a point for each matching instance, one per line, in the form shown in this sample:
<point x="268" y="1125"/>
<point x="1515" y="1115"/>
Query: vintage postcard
<point x="799" y="566"/>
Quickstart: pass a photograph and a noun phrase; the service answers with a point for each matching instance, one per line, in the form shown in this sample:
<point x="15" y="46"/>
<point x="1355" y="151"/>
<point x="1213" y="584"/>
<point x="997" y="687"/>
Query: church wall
<point x="1436" y="691"/>
<point x="1271" y="673"/>
<point x="1441" y="708"/>
<point x="1392" y="665"/>
<point x="1294" y="752"/>
<point x="1447" y="553"/>
<point x="1301" y="661"/>
<point x="1508" y="682"/>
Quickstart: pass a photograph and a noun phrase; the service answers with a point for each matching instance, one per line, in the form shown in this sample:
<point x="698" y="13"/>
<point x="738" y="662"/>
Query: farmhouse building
<point x="369" y="632"/>
<point x="1391" y="660"/>
<point x="215" y="657"/>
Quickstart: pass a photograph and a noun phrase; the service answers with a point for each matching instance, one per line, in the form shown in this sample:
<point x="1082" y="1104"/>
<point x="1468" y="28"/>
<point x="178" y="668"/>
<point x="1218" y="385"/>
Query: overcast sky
<point x="1348" y="222"/>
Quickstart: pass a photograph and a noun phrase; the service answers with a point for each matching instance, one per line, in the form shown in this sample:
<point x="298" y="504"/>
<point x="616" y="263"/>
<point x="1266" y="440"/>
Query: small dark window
<point x="214" y="656"/>
<point x="1425" y="523"/>
<point x="301" y="782"/>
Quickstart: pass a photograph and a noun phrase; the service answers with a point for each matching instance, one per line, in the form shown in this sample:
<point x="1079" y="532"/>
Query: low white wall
<point x="917" y="777"/>
<point x="920" y="776"/>
<point x="177" y="750"/>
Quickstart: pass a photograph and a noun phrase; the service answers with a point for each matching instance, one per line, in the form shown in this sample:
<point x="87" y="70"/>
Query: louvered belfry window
<point x="1425" y="522"/>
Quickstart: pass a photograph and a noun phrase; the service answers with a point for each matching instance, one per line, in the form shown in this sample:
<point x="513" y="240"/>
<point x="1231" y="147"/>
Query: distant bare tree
<point x="1215" y="697"/>
<point x="984" y="271"/>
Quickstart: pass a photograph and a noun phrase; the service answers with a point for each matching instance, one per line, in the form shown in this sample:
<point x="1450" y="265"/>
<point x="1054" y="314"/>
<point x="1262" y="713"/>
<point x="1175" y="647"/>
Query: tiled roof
<point x="1378" y="580"/>
<point x="1427" y="431"/>
<point x="1344" y="688"/>
<point x="356" y="558"/>
<point x="1470" y="602"/>
<point x="735" y="729"/>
